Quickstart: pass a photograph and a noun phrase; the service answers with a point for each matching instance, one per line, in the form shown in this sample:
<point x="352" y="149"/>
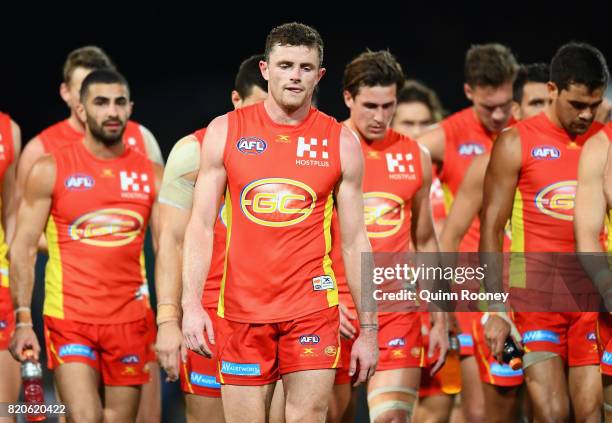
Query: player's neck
<point x="75" y="123"/>
<point x="351" y="125"/>
<point x="280" y="115"/>
<point x="552" y="116"/>
<point x="100" y="150"/>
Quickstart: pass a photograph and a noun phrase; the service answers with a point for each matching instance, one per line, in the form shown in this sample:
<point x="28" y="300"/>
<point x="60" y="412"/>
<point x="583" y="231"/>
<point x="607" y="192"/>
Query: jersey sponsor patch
<point x="465" y="340"/>
<point x="322" y="283"/>
<point x="240" y="369"/>
<point x="545" y="152"/>
<point x="77" y="350"/>
<point x="251" y="146"/>
<point x="469" y="149"/>
<point x="204" y="381"/>
<point x="541" y="336"/>
<point x="312" y="152"/>
<point x="607" y="358"/>
<point x="79" y="182"/>
<point x="400" y="166"/>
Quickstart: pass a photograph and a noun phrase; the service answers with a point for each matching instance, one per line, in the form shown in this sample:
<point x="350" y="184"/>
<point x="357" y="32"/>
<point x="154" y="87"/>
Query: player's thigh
<point x="277" y="407"/>
<point x="586" y="392"/>
<point x="121" y="403"/>
<point x="392" y="393"/>
<point x="501" y="402"/>
<point x="246" y="403"/>
<point x="434" y="408"/>
<point x="547" y="388"/>
<point x="307" y="394"/>
<point x="77" y="384"/>
<point x="203" y="409"/>
<point x="149" y="408"/>
<point x="339" y="403"/>
<point x="10" y="379"/>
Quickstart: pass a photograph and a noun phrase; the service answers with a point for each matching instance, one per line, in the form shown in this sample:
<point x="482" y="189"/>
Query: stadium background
<point x="181" y="60"/>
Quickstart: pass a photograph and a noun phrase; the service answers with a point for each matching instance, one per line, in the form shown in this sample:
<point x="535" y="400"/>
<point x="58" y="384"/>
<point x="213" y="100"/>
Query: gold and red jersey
<point x="62" y="133"/>
<point x="210" y="296"/>
<point x="7" y="155"/>
<point x="279" y="202"/>
<point x="392" y="176"/>
<point x="465" y="138"/>
<point x="543" y="209"/>
<point x="95" y="233"/>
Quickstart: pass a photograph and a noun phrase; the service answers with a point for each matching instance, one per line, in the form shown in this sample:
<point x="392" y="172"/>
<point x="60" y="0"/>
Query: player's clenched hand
<point x="24" y="339"/>
<point x="347" y="330"/>
<point x="496" y="330"/>
<point x="197" y="325"/>
<point x="169" y="346"/>
<point x="364" y="355"/>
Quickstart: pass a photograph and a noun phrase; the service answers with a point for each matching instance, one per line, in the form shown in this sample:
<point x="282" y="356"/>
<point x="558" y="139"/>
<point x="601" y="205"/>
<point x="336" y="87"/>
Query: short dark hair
<point x="294" y="34"/>
<point x="579" y="63"/>
<point x="534" y="72"/>
<point x="416" y="92"/>
<point x="102" y="76"/>
<point x="372" y="68"/>
<point x="88" y="57"/>
<point x="249" y="76"/>
<point x="489" y="65"/>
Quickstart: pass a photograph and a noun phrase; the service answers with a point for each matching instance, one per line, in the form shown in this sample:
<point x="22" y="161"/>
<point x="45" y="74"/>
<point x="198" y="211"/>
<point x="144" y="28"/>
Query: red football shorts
<point x="118" y="351"/>
<point x="604" y="337"/>
<point x="400" y="342"/>
<point x="258" y="354"/>
<point x="7" y="318"/>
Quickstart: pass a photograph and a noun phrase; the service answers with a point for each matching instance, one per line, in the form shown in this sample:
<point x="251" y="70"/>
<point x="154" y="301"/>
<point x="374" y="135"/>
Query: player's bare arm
<point x="466" y="205"/>
<point x="499" y="188"/>
<point x="9" y="187"/>
<point x="355" y="242"/>
<point x="31" y="220"/>
<point x="434" y="140"/>
<point x="198" y="245"/>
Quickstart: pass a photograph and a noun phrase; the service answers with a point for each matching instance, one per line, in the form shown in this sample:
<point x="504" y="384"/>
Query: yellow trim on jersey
<point x="332" y="294"/>
<point x="219" y="372"/>
<point x="483" y="358"/>
<point x="53" y="350"/>
<point x="187" y="380"/>
<point x="54" y="296"/>
<point x="4" y="263"/>
<point x="228" y="224"/>
<point x="608" y="223"/>
<point x="517" y="261"/>
<point x="448" y="197"/>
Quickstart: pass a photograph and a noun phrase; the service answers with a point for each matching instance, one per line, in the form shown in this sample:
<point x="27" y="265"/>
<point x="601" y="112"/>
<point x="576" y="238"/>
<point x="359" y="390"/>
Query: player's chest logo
<point x="312" y="152"/>
<point x="79" y="182"/>
<point x="384" y="214"/>
<point x="400" y="166"/>
<point x="557" y="200"/>
<point x="251" y="146"/>
<point x="470" y="149"/>
<point x="545" y="152"/>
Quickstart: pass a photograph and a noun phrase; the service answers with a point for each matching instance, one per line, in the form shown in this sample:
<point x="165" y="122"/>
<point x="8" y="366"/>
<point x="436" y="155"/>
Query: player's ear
<point x="236" y="100"/>
<point x="130" y="108"/>
<point x="263" y="67"/>
<point x="80" y="110"/>
<point x="348" y="99"/>
<point x="65" y="93"/>
<point x="516" y="111"/>
<point x="321" y="73"/>
<point x="553" y="90"/>
<point x="469" y="93"/>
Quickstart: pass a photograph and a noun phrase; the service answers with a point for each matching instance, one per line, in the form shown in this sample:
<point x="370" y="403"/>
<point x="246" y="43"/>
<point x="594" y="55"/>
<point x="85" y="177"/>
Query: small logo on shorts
<point x="415" y="352"/>
<point x="205" y="381"/>
<point x="503" y="370"/>
<point x="77" y="350"/>
<point x="309" y="339"/>
<point x="240" y="369"/>
<point x="129" y="371"/>
<point x="607" y="358"/>
<point x="330" y="350"/>
<point x="3" y="324"/>
<point x="322" y="283"/>
<point x="397" y="354"/>
<point x="397" y="342"/>
<point x="130" y="359"/>
<point x="465" y="340"/>
<point x="541" y="336"/>
<point x="591" y="337"/>
<point x="308" y="352"/>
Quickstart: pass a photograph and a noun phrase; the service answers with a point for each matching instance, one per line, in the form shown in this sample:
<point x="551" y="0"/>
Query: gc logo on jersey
<point x="107" y="227"/>
<point x="469" y="149"/>
<point x="251" y="145"/>
<point x="79" y="182"/>
<point x="277" y="202"/>
<point x="557" y="200"/>
<point x="384" y="214"/>
<point x="545" y="152"/>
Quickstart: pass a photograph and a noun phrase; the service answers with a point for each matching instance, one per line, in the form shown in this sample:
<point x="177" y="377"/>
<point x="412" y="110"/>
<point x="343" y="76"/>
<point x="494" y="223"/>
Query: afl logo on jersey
<point x="79" y="182"/>
<point x="277" y="202"/>
<point x="557" y="200"/>
<point x="251" y="145"/>
<point x="107" y="227"/>
<point x="471" y="149"/>
<point x="384" y="214"/>
<point x="545" y="152"/>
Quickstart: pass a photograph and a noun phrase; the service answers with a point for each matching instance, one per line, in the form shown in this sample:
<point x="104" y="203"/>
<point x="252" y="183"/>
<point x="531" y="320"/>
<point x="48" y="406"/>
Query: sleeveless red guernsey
<point x="607" y="130"/>
<point x="543" y="209"/>
<point x="279" y="202"/>
<point x="392" y="176"/>
<point x="465" y="138"/>
<point x="99" y="215"/>
<point x="210" y="296"/>
<point x="7" y="155"/>
<point x="62" y="133"/>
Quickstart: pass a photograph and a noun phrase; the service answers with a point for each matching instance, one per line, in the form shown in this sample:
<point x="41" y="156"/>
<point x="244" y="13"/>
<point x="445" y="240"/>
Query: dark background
<point x="181" y="60"/>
